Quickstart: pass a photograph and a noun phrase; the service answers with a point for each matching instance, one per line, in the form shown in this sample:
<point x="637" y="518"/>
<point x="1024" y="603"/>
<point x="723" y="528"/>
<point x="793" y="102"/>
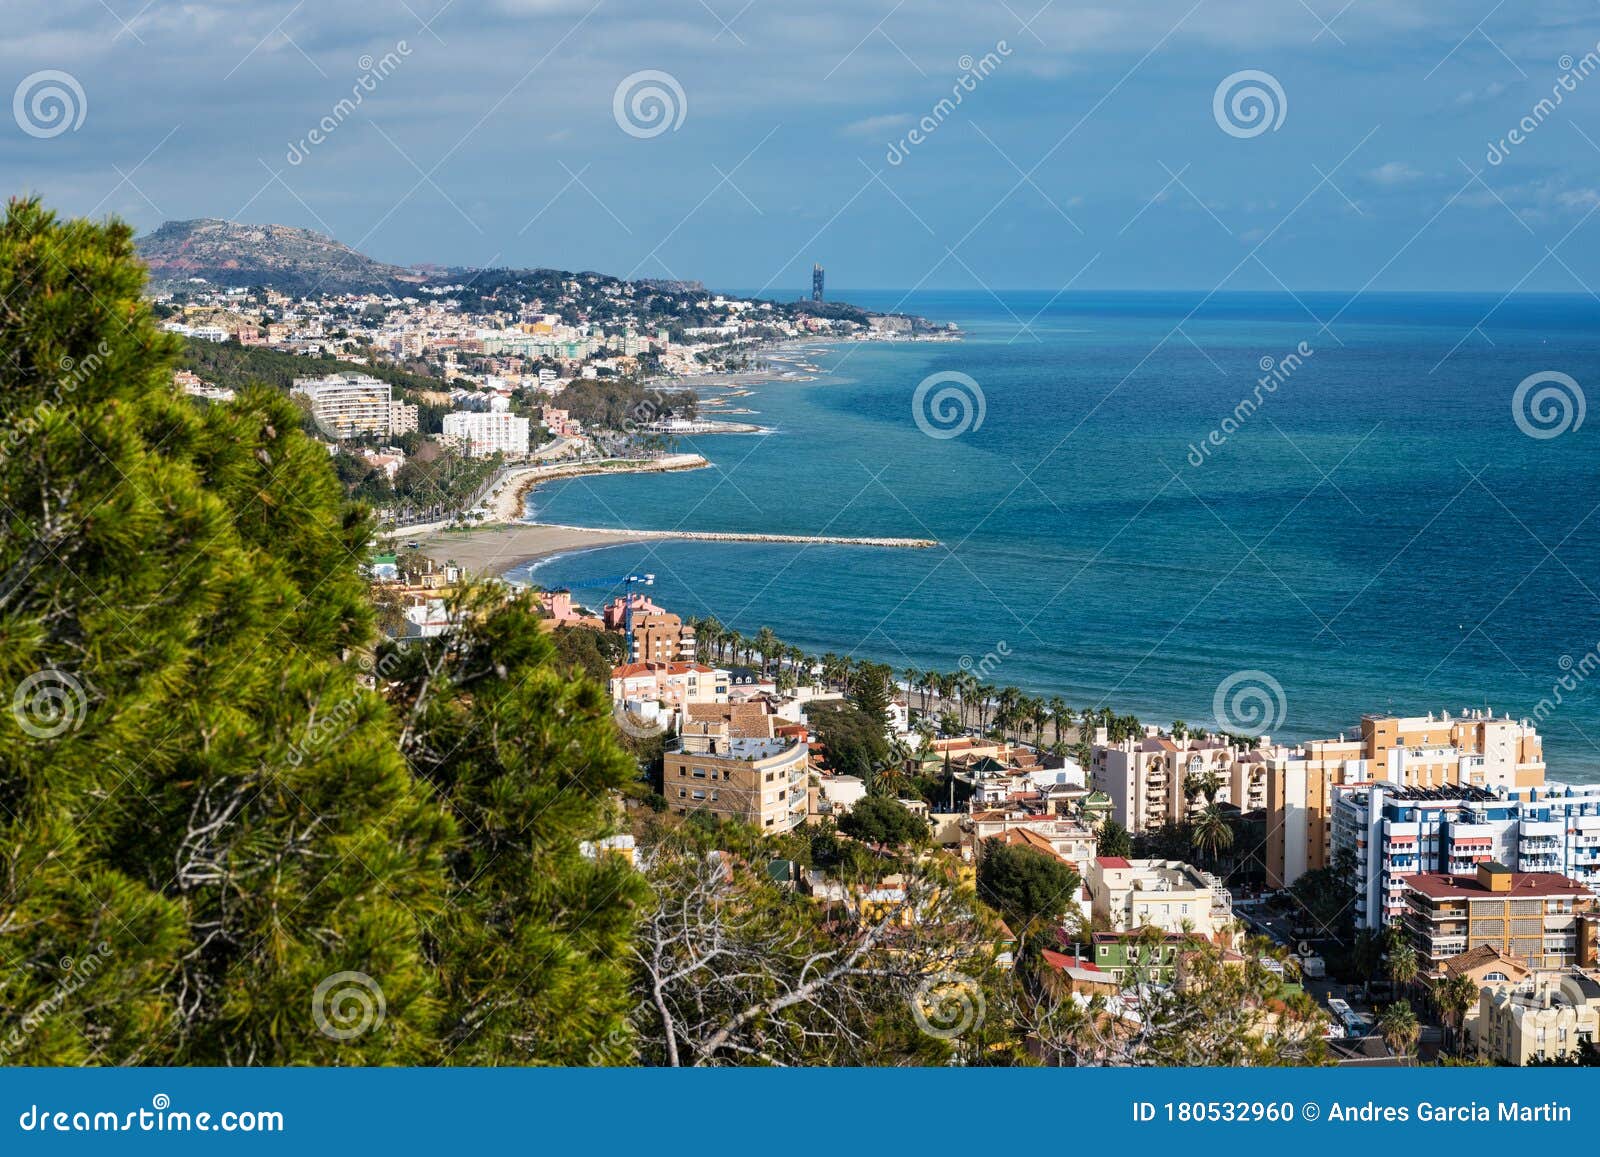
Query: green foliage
<point x="853" y="742"/>
<point x="1028" y="888"/>
<point x="587" y="651"/>
<point x="186" y="582"/>
<point x="883" y="821"/>
<point x="236" y="366"/>
<point x="523" y="758"/>
<point x="624" y="404"/>
<point x="215" y="831"/>
<point x="1113" y="840"/>
<point x="872" y="690"/>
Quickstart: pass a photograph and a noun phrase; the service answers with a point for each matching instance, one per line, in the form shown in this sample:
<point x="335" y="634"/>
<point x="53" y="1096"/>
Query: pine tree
<point x="533" y="947"/>
<point x="198" y="796"/>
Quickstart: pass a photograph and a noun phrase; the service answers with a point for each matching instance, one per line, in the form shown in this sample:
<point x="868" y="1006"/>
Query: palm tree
<point x="1402" y="962"/>
<point x="1399" y="1028"/>
<point x="1210" y="833"/>
<point x="1455" y="998"/>
<point x="1180" y="729"/>
<point x="1206" y="784"/>
<point x="1060" y="716"/>
<point x="1005" y="714"/>
<point x="911" y="677"/>
<point x="1038" y="716"/>
<point x="766" y="645"/>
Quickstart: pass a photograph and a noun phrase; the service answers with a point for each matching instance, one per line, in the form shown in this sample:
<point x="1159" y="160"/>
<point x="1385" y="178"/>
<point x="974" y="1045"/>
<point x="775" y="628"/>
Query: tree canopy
<point x="233" y="832"/>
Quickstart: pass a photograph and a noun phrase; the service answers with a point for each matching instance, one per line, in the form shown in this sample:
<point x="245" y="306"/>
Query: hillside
<point x="281" y="256"/>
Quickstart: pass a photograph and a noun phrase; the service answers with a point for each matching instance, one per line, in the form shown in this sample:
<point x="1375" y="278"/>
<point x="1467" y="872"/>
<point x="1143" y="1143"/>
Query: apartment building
<point x="483" y="434"/>
<point x="759" y="781"/>
<point x="1170" y="895"/>
<point x="1394" y="832"/>
<point x="1541" y="919"/>
<point x="402" y="418"/>
<point x="1151" y="779"/>
<point x="1562" y="822"/>
<point x="662" y="637"/>
<point x="674" y="685"/>
<point x="1476" y="749"/>
<point x="1544" y="1018"/>
<point x="1067" y="839"/>
<point x="348" y="405"/>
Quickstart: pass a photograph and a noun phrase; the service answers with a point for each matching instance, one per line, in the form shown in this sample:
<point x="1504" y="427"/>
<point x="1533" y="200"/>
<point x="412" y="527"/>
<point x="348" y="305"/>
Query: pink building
<point x="616" y="609"/>
<point x="558" y="605"/>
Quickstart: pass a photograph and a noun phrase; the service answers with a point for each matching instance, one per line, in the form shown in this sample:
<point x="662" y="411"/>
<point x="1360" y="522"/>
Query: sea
<point x="1266" y="512"/>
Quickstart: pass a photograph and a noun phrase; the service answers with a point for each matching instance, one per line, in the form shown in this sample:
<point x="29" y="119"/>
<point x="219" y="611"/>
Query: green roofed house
<point x="1096" y="808"/>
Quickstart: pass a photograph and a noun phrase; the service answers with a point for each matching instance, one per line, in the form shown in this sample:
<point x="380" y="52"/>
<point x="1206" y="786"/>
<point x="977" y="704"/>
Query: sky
<point x="1093" y="145"/>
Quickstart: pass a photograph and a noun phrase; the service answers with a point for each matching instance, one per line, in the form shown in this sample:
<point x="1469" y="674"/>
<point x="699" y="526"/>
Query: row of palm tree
<point x="957" y="701"/>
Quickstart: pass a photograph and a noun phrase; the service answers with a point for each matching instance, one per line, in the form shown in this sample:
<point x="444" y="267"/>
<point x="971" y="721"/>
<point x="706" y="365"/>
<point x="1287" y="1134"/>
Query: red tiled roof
<point x="1112" y="862"/>
<point x="1524" y="886"/>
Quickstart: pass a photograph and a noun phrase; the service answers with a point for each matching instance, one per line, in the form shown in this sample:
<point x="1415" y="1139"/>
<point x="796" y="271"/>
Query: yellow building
<point x="1545" y="1018"/>
<point x="756" y="780"/>
<point x="1540" y="919"/>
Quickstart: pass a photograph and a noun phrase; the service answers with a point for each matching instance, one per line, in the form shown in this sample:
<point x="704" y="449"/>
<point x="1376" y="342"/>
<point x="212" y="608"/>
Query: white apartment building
<point x="482" y="434"/>
<point x="1395" y="832"/>
<point x="1166" y="894"/>
<point x="349" y="405"/>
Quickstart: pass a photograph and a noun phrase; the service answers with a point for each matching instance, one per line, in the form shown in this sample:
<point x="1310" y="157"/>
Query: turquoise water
<point x="1379" y="534"/>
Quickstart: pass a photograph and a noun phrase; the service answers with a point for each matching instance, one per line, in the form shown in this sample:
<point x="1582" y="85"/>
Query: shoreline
<point x="507" y="542"/>
<point x="495" y="550"/>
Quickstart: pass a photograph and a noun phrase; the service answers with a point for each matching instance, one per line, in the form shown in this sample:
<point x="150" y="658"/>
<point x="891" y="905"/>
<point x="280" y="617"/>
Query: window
<point x="682" y="791"/>
<point x="699" y="773"/>
<point x="699" y="793"/>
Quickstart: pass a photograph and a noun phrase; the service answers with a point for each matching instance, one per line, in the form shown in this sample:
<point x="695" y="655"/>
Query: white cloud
<point x="1393" y="173"/>
<point x="875" y="126"/>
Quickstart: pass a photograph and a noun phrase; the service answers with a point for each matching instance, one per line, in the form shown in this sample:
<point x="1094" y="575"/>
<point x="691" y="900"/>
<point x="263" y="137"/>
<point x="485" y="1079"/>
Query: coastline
<point x="508" y="542"/>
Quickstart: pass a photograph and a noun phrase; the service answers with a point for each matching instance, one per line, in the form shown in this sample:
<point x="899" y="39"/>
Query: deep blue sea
<point x="1378" y="534"/>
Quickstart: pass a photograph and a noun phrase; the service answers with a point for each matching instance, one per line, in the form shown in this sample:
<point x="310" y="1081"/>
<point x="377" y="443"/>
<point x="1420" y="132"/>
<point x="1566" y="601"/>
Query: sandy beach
<point x="493" y="550"/>
<point x="508" y="543"/>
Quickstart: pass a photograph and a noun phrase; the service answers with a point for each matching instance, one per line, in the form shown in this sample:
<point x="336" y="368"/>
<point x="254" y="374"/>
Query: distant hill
<point x="281" y="256"/>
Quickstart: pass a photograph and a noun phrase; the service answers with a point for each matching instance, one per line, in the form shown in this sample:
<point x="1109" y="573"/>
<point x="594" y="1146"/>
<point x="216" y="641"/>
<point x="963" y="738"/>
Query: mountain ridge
<point x="283" y="257"/>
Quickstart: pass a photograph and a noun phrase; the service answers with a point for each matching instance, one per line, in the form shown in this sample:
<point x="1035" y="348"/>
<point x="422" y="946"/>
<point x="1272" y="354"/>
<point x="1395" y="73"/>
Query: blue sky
<point x="1090" y="154"/>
